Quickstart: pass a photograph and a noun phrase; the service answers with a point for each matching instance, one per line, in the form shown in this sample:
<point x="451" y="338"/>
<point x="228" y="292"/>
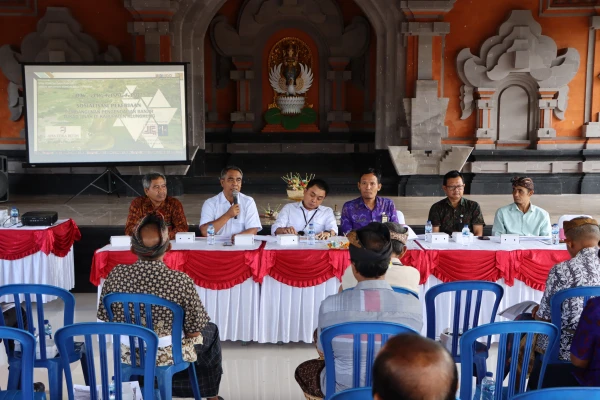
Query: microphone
<point x="235" y="199"/>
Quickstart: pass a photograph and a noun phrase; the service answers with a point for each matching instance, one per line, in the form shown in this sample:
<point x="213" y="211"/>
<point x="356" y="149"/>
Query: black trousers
<point x="557" y="375"/>
<point x="10" y="320"/>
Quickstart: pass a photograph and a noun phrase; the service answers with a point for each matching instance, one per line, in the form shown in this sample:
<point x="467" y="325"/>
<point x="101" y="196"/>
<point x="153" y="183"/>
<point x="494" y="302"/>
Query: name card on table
<point x="185" y="237"/>
<point x="287" y="240"/>
<point x="243" y="240"/>
<point x="509" y="239"/>
<point x="438" y="237"/>
<point x="120" y="241"/>
<point x="460" y="239"/>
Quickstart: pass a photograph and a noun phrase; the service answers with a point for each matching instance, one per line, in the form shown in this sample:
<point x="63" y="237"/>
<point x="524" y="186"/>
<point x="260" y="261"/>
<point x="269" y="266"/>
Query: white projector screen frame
<point x="127" y="122"/>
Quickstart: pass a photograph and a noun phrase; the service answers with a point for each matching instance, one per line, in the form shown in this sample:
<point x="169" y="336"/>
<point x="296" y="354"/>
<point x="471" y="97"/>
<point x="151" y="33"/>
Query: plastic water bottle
<point x="428" y="230"/>
<point x="466" y="235"/>
<point x="311" y="234"/>
<point x="488" y="387"/>
<point x="47" y="330"/>
<point x="111" y="390"/>
<point x="555" y="238"/>
<point x="14" y="216"/>
<point x="37" y="344"/>
<point x="210" y="233"/>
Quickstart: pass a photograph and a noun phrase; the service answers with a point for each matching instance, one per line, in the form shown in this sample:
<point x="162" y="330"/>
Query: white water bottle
<point x="47" y="331"/>
<point x="111" y="390"/>
<point x="466" y="235"/>
<point x="428" y="231"/>
<point x="311" y="234"/>
<point x="555" y="238"/>
<point x="14" y="216"/>
<point x="210" y="233"/>
<point x="488" y="387"/>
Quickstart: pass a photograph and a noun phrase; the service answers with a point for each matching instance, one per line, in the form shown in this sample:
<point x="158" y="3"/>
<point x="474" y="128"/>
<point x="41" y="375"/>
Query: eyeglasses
<point x="455" y="188"/>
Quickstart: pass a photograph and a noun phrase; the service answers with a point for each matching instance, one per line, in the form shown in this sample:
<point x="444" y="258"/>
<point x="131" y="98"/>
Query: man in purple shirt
<point x="585" y="349"/>
<point x="368" y="207"/>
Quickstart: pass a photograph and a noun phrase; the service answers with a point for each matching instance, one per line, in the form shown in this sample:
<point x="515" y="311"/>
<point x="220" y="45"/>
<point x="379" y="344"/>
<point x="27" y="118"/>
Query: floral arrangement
<point x="271" y="212"/>
<point x="296" y="182"/>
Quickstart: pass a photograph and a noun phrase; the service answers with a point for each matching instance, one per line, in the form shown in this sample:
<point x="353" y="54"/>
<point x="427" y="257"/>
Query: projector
<point x="39" y="218"/>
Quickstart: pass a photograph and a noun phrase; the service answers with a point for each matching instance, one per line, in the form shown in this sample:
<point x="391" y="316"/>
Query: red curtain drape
<point x="15" y="244"/>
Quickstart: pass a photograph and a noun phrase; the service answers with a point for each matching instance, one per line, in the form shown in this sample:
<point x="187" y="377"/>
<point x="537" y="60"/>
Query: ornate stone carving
<point x="59" y="38"/>
<point x="519" y="48"/>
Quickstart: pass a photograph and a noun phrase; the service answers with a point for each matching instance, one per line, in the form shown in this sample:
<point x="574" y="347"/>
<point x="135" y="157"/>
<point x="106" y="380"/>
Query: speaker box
<point x="3" y="179"/>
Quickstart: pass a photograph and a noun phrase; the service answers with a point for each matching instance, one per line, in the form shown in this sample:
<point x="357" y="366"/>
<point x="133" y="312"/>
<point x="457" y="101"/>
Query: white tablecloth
<point x="290" y="314"/>
<point x="39" y="268"/>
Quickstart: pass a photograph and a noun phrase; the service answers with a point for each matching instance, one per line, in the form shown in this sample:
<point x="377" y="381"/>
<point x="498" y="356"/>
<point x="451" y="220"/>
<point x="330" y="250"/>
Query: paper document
<point x="513" y="312"/>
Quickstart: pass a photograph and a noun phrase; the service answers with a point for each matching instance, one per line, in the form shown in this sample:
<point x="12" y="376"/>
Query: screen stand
<point x="110" y="173"/>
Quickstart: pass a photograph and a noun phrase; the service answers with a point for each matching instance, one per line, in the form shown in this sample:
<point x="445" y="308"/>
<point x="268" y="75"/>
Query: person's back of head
<point x="581" y="233"/>
<point x="371" y="250"/>
<point x="412" y="367"/>
<point x="150" y="239"/>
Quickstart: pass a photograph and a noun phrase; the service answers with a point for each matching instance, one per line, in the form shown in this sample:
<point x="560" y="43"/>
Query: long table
<point x="38" y="254"/>
<point x="272" y="293"/>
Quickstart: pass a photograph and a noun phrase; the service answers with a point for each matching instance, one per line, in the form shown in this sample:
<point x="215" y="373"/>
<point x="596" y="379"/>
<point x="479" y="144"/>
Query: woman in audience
<point x="399" y="275"/>
<point x="585" y="349"/>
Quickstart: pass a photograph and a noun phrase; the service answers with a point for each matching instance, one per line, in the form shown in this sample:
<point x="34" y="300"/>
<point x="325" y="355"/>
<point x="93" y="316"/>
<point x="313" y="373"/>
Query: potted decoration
<point x="271" y="213"/>
<point x="296" y="185"/>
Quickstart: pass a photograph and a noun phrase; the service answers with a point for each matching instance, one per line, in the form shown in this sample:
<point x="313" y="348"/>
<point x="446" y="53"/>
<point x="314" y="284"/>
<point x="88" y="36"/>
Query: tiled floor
<point x="254" y="372"/>
<point x="111" y="210"/>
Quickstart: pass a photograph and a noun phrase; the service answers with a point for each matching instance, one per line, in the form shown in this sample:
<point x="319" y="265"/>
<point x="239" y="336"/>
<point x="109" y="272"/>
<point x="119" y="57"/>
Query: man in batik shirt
<point x="149" y="275"/>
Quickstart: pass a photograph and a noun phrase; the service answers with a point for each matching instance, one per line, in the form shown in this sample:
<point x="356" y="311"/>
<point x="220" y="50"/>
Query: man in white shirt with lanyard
<point x="294" y="218"/>
<point x="228" y="215"/>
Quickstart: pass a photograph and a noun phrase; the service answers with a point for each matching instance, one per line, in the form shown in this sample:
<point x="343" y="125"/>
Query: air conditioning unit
<point x="3" y="179"/>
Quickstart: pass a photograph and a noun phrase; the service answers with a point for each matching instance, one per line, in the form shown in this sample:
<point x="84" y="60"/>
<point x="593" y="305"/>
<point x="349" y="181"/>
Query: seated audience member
<point x="368" y="207"/>
<point x="454" y="212"/>
<point x="149" y="275"/>
<point x="156" y="200"/>
<point x="585" y="349"/>
<point x="412" y="367"/>
<point x="583" y="269"/>
<point x="371" y="300"/>
<point x="522" y="217"/>
<point x="295" y="217"/>
<point x="230" y="219"/>
<point x="399" y="275"/>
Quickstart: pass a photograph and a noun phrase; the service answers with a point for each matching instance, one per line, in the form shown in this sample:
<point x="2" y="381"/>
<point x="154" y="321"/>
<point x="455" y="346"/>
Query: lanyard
<point x="311" y="218"/>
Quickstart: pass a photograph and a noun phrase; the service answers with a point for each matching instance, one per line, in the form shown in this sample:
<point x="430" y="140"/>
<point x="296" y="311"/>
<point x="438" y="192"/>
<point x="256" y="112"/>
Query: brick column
<point x="153" y="39"/>
<point x="338" y="117"/>
<point x="547" y="103"/>
<point x="242" y="119"/>
<point x="485" y="134"/>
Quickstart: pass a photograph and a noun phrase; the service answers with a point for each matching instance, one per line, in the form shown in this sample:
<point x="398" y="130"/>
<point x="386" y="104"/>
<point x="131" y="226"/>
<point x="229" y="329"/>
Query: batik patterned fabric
<point x="582" y="270"/>
<point x="171" y="210"/>
<point x="154" y="277"/>
<point x="451" y="219"/>
<point x="355" y="214"/>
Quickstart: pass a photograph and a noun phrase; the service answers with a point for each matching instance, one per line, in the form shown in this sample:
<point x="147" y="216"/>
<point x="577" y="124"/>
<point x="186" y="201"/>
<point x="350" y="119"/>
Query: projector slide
<point x="105" y="114"/>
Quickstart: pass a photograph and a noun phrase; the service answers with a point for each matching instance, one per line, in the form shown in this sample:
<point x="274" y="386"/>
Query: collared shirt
<point x="581" y="270"/>
<point x="371" y="300"/>
<point x="586" y="344"/>
<point x="451" y="219"/>
<point x="509" y="219"/>
<point x="355" y="213"/>
<point x="171" y="209"/>
<point x="218" y="205"/>
<point x="154" y="277"/>
<point x="398" y="275"/>
<point x="298" y="217"/>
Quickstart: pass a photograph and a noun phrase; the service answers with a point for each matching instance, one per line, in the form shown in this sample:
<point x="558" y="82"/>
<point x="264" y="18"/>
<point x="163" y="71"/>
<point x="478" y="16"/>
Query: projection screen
<point x="105" y="114"/>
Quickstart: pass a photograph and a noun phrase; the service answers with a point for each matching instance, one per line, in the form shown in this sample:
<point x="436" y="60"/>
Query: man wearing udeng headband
<point x="156" y="200"/>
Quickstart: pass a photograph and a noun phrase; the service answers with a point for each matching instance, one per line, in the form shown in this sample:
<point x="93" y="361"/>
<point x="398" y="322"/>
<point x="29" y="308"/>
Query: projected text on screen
<point x="109" y="114"/>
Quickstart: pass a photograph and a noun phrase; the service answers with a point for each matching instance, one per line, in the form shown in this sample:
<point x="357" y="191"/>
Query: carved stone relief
<point x="520" y="50"/>
<point x="59" y="38"/>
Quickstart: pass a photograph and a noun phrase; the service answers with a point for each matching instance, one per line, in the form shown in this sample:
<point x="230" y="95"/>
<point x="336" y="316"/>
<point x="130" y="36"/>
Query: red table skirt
<point x="529" y="266"/>
<point x="303" y="268"/>
<point x="214" y="270"/>
<point x="58" y="240"/>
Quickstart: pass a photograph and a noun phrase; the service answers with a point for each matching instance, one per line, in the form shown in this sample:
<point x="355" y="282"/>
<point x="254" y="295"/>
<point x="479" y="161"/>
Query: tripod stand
<point x="110" y="172"/>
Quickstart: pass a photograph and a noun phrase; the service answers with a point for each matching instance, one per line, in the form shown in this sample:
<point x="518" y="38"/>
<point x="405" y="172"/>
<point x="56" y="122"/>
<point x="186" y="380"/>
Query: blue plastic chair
<point x="556" y="303"/>
<point x="465" y="323"/>
<point x="164" y="375"/>
<point x="513" y="330"/>
<point x="588" y="393"/>
<point x="27" y="342"/>
<point x="356" y="329"/>
<point x="402" y="290"/>
<point x="24" y="293"/>
<point x="92" y="331"/>
<point x="363" y="393"/>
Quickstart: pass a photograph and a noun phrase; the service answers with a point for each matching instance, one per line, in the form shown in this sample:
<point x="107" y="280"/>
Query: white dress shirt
<point x="297" y="216"/>
<point x="218" y="205"/>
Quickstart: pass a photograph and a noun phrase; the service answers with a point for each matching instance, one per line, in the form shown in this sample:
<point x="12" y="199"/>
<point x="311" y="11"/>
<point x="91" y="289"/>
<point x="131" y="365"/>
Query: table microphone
<point x="235" y="199"/>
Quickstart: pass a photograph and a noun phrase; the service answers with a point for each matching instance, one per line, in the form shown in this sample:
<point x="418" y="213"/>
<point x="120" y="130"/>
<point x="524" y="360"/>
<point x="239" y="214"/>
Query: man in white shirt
<point x="230" y="219"/>
<point x="295" y="217"/>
